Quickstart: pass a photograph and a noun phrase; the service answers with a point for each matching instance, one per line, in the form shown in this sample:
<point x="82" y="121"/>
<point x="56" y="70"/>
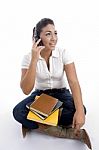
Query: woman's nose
<point x="53" y="37"/>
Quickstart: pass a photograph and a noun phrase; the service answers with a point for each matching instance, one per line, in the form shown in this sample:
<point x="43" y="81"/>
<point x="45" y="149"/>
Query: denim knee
<point x="17" y="114"/>
<point x="20" y="116"/>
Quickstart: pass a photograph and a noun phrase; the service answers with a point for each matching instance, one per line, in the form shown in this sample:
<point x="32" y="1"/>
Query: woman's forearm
<point x="77" y="95"/>
<point x="28" y="81"/>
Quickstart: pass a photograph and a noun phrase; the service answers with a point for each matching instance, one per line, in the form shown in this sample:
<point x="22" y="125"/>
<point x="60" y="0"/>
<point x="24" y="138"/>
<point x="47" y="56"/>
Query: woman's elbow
<point x="25" y="90"/>
<point x="73" y="83"/>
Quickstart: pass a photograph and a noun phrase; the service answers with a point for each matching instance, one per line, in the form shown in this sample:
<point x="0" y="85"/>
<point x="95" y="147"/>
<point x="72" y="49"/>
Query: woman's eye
<point x="47" y="34"/>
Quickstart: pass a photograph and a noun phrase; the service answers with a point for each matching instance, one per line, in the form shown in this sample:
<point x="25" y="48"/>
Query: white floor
<point x="11" y="137"/>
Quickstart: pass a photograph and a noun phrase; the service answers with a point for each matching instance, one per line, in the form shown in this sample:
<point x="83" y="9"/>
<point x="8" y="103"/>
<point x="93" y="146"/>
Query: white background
<point x="77" y="23"/>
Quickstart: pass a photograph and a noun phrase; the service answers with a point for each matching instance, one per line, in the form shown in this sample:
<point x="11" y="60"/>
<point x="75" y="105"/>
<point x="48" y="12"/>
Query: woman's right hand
<point x="36" y="50"/>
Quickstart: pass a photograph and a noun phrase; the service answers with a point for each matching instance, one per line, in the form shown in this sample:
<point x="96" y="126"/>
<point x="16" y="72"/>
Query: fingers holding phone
<point x="36" y="49"/>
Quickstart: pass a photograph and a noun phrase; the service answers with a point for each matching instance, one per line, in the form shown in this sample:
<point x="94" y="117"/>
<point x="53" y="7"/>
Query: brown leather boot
<point x="67" y="133"/>
<point x="24" y="131"/>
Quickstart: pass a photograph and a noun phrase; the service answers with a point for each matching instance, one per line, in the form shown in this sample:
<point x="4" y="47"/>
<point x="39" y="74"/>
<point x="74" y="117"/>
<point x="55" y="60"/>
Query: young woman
<point x="43" y="71"/>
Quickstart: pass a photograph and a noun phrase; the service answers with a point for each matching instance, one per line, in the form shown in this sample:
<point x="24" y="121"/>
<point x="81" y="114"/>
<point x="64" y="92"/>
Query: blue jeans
<point x="20" y="111"/>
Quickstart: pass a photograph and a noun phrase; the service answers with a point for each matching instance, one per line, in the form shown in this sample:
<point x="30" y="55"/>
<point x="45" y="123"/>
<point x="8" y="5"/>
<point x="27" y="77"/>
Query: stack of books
<point x="45" y="109"/>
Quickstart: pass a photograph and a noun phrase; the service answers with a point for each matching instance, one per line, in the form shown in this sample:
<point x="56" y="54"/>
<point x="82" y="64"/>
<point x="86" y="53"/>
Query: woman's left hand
<point x="78" y="120"/>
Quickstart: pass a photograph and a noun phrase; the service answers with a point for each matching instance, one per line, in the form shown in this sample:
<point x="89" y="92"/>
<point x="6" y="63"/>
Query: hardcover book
<point x="50" y="120"/>
<point x="44" y="104"/>
<point x="58" y="105"/>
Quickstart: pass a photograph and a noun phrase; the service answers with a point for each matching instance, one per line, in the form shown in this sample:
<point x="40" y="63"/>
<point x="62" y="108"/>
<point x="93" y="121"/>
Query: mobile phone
<point x="36" y="37"/>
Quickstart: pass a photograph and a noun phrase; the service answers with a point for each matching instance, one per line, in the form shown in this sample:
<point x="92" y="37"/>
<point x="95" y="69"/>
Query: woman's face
<point x="49" y="36"/>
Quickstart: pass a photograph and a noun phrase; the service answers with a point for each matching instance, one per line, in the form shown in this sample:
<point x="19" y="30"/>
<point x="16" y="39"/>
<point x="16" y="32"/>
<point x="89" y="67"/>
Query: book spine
<point x="32" y="109"/>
